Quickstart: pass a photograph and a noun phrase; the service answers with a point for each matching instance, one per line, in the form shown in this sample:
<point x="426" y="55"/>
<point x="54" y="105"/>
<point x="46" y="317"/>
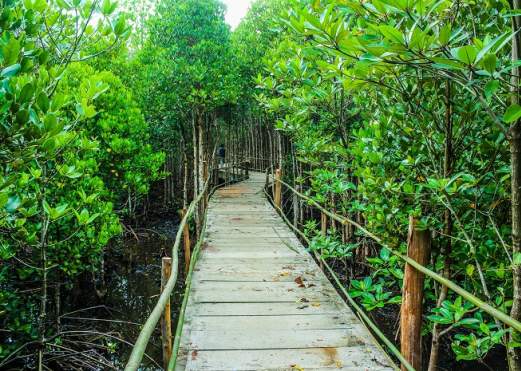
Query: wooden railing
<point x="409" y="344"/>
<point x="162" y="307"/>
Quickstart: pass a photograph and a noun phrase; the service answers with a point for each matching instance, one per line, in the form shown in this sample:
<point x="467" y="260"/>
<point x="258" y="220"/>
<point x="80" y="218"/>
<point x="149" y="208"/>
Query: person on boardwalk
<point x="221" y="152"/>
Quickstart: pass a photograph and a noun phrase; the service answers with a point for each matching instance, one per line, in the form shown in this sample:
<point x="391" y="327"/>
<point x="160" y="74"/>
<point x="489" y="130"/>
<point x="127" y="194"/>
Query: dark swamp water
<point x="132" y="284"/>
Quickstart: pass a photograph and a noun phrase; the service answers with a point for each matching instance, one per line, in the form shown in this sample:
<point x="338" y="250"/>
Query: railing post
<point x="166" y="321"/>
<point x="205" y="178"/>
<point x="323" y="224"/>
<point x="418" y="249"/>
<point x="278" y="188"/>
<point x="186" y="242"/>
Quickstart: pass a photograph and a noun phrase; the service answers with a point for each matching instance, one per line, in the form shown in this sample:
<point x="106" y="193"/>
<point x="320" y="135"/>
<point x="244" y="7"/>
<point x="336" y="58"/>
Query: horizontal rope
<point x="148" y="327"/>
<point x="499" y="315"/>
<point x="352" y="302"/>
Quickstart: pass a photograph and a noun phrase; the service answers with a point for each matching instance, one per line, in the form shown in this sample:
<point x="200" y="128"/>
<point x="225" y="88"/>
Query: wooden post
<point x="166" y="321"/>
<point x="186" y="242"/>
<point x="278" y="189"/>
<point x="323" y="224"/>
<point x="204" y="201"/>
<point x="418" y="249"/>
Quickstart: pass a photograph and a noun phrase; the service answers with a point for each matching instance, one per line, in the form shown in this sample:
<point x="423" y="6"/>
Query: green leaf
<point x="119" y="26"/>
<point x="444" y="35"/>
<point x="489" y="63"/>
<point x="13" y="203"/>
<point x="483" y="327"/>
<point x="513" y="113"/>
<point x="43" y="102"/>
<point x="46" y="208"/>
<point x="468" y="321"/>
<point x="107" y="8"/>
<point x="391" y="33"/>
<point x="11" y="51"/>
<point x="465" y="54"/>
<point x="3" y="199"/>
<point x="470" y="270"/>
<point x="491" y="88"/>
<point x="11" y="70"/>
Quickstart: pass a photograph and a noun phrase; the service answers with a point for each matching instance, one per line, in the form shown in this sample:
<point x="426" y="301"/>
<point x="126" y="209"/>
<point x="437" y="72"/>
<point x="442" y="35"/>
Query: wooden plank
<point x="345" y="358"/>
<point x="277" y="339"/>
<point x="209" y="274"/>
<point x="232" y="253"/>
<point x="258" y="324"/>
<point x="284" y="262"/>
<point x="241" y="293"/>
<point x="268" y="309"/>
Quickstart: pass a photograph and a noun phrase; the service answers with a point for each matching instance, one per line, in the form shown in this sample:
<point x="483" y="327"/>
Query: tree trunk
<point x="418" y="249"/>
<point x="446" y="251"/>
<point x="514" y="354"/>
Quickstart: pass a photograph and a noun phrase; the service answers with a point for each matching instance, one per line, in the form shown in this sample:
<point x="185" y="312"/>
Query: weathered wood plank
<point x="277" y="339"/>
<point x="258" y="324"/>
<point x="352" y="359"/>
<point x="255" y="275"/>
<point x="268" y="309"/>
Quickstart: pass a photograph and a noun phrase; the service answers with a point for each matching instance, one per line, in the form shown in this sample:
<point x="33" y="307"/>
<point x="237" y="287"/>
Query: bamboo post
<point x="166" y="321"/>
<point x="323" y="224"/>
<point x="278" y="189"/>
<point x="205" y="178"/>
<point x="418" y="249"/>
<point x="186" y="242"/>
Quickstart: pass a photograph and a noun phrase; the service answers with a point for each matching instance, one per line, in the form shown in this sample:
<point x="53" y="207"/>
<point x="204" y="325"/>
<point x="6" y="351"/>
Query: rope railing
<point x="188" y="280"/>
<point x="150" y="324"/>
<point x="492" y="311"/>
<point x="362" y="315"/>
<point x="495" y="313"/>
<point x="148" y="327"/>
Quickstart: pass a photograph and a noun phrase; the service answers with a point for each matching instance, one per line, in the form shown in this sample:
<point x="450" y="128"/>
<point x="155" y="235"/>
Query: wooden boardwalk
<point x="258" y="300"/>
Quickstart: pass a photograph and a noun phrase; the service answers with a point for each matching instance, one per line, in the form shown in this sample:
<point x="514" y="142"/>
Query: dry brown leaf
<point x="299" y="282"/>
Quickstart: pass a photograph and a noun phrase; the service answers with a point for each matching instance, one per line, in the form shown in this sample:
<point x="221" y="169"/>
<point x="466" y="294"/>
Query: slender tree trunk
<point x="514" y="354"/>
<point x="446" y="251"/>
<point x="200" y="170"/>
<point x="195" y="138"/>
<point x="43" y="298"/>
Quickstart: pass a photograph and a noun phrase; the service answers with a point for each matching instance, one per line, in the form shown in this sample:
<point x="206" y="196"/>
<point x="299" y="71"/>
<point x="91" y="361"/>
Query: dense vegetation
<point x="377" y="109"/>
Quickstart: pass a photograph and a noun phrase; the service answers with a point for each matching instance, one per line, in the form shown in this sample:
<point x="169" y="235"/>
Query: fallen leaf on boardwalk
<point x="283" y="274"/>
<point x="299" y="282"/>
<point x="303" y="307"/>
<point x="338" y="363"/>
<point x="297" y="367"/>
<point x="302" y="300"/>
<point x="194" y="355"/>
<point x="315" y="304"/>
<point x="289" y="267"/>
